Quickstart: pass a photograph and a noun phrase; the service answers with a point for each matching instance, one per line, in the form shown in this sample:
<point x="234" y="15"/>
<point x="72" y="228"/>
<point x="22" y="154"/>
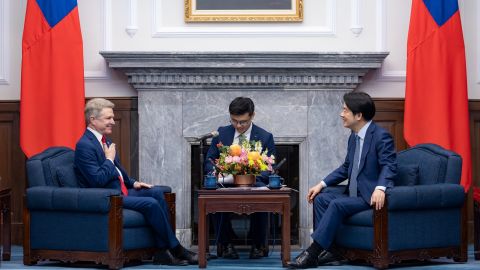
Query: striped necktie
<point x="241" y="138"/>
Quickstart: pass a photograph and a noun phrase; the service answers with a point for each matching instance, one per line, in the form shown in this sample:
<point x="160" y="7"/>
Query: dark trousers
<point x="151" y="203"/>
<point x="222" y="223"/>
<point x="330" y="209"/>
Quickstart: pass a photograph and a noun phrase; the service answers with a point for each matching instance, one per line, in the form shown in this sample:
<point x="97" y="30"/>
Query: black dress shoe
<point x="329" y="258"/>
<point x="255" y="253"/>
<point x="264" y="250"/>
<point x="229" y="252"/>
<point x="210" y="256"/>
<point x="190" y="256"/>
<point x="166" y="258"/>
<point x="304" y="260"/>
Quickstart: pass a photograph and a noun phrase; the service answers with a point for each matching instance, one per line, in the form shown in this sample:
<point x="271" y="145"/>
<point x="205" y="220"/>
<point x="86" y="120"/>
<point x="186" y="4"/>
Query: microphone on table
<point x="279" y="165"/>
<point x="212" y="134"/>
<point x="218" y="170"/>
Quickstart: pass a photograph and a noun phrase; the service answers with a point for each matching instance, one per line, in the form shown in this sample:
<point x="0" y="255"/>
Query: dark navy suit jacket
<point x="92" y="167"/>
<point x="225" y="136"/>
<point x="378" y="163"/>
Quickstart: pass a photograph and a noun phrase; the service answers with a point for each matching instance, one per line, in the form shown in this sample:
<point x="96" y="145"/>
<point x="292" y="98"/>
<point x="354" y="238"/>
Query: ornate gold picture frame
<point x="243" y="10"/>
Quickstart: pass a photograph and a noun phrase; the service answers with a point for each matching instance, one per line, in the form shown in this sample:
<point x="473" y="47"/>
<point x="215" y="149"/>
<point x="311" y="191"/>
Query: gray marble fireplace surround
<point x="297" y="95"/>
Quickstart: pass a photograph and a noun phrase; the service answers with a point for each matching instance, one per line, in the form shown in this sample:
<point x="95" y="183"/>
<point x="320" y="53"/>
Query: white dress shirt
<point x="236" y="139"/>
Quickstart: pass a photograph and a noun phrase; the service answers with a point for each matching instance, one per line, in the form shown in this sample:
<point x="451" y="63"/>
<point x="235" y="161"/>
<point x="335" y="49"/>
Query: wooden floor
<point x="271" y="262"/>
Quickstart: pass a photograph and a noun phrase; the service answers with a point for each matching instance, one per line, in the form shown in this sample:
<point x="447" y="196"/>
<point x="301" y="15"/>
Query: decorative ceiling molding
<point x="132" y="26"/>
<point x="161" y="31"/>
<point x="477" y="66"/>
<point x="244" y="70"/>
<point x="4" y="42"/>
<point x="381" y="44"/>
<point x="356" y="26"/>
<point x="106" y="26"/>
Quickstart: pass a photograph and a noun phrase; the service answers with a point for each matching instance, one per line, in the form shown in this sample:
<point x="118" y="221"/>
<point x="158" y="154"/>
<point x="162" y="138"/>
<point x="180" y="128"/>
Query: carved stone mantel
<point x="244" y="70"/>
<point x="297" y="95"/>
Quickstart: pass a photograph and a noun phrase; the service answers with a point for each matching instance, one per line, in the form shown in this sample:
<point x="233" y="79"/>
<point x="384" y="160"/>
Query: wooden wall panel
<point x="389" y="115"/>
<point x="12" y="163"/>
<point x="475" y="139"/>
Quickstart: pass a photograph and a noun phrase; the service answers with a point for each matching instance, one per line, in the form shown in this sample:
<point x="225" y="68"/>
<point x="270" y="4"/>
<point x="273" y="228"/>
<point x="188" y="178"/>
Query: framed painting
<point x="243" y="10"/>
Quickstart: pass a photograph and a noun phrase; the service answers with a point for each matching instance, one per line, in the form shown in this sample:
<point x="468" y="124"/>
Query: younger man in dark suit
<point x="370" y="166"/>
<point x="97" y="166"/>
<point x="242" y="112"/>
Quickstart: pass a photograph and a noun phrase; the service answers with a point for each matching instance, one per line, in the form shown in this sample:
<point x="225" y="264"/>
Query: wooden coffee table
<point x="243" y="201"/>
<point x="6" y="221"/>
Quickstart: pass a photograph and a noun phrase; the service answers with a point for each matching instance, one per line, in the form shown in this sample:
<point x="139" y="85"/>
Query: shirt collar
<point x="361" y="133"/>
<point x="246" y="133"/>
<point x="97" y="134"/>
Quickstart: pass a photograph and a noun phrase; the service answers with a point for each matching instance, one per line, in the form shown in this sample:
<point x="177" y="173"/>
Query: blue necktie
<point x="352" y="188"/>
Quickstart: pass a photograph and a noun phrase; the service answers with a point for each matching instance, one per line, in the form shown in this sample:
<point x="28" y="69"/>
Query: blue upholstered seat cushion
<point x="66" y="176"/>
<point x="407" y="175"/>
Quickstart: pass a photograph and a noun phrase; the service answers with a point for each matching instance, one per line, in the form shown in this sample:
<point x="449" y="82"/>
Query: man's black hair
<point x="360" y="102"/>
<point x="241" y="105"/>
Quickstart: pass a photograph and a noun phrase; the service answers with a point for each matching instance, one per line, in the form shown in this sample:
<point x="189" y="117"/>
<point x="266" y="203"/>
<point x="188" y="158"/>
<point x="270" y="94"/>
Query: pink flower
<point x="236" y="159"/>
<point x="228" y="159"/>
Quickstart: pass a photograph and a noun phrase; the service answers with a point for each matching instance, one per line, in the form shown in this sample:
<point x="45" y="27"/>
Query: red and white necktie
<point x="120" y="178"/>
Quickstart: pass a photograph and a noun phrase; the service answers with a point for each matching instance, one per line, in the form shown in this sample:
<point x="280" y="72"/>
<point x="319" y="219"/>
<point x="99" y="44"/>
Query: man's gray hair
<point x="95" y="106"/>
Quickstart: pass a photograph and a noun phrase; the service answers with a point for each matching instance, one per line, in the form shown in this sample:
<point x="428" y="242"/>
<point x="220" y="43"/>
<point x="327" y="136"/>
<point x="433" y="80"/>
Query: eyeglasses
<point x="240" y="123"/>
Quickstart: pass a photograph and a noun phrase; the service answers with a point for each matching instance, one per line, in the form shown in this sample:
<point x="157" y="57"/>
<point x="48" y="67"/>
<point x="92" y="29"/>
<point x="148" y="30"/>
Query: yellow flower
<point x="253" y="155"/>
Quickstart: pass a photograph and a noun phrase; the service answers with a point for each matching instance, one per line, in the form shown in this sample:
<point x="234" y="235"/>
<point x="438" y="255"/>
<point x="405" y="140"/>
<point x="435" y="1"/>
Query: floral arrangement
<point x="246" y="158"/>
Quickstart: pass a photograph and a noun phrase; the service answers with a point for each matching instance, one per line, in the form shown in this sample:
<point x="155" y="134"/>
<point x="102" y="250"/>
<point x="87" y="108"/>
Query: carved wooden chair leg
<point x="476" y="231"/>
<point x="115" y="253"/>
<point x="27" y="259"/>
<point x="462" y="251"/>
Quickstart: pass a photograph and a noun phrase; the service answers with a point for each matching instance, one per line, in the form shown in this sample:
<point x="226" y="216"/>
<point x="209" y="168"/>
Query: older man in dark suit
<point x="97" y="166"/>
<point x="370" y="166"/>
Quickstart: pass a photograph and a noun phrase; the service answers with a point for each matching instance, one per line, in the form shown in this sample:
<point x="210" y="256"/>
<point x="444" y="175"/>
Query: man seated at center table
<point x="242" y="112"/>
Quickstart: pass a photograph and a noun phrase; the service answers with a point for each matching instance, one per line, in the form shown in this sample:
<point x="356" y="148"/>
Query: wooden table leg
<point x="286" y="233"/>
<point x="202" y="234"/>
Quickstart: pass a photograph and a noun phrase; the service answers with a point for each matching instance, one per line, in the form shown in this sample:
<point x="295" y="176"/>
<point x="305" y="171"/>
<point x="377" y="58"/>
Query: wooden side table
<point x="5" y="214"/>
<point x="243" y="201"/>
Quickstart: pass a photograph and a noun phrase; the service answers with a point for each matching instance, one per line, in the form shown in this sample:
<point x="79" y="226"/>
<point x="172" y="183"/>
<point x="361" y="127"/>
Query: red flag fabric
<point x="476" y="194"/>
<point x="52" y="94"/>
<point x="436" y="98"/>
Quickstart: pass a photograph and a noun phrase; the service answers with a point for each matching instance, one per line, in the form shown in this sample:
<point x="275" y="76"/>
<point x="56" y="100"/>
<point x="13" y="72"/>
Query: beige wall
<point x="157" y="25"/>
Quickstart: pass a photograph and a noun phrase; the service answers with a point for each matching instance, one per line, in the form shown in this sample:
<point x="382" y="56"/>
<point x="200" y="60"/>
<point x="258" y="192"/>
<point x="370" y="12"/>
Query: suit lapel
<point x="366" y="145"/>
<point x="94" y="142"/>
<point x="229" y="133"/>
<point x="254" y="133"/>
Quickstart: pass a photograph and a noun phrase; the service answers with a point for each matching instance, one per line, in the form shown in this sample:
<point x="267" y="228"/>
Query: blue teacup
<point x="275" y="181"/>
<point x="210" y="182"/>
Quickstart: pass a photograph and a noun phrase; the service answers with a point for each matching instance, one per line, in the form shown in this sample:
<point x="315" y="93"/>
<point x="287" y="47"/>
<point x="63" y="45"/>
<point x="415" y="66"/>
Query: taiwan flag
<point x="436" y="98"/>
<point x="52" y="94"/>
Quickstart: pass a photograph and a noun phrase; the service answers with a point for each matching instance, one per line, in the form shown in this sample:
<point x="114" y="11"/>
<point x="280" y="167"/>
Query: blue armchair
<point x="68" y="223"/>
<point x="424" y="216"/>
